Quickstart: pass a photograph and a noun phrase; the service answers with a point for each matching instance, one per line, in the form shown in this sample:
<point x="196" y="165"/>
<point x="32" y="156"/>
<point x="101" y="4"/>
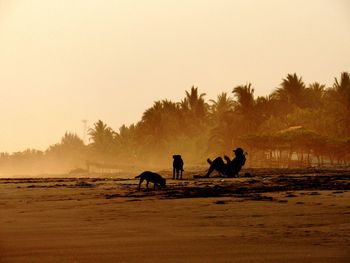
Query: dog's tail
<point x="209" y="161"/>
<point x="138" y="176"/>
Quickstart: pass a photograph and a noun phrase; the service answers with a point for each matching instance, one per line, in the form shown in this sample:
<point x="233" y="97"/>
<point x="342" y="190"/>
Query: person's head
<point x="238" y="151"/>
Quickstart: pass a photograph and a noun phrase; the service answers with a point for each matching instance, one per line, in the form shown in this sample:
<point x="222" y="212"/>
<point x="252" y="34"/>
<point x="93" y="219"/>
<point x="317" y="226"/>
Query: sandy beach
<point x="265" y="216"/>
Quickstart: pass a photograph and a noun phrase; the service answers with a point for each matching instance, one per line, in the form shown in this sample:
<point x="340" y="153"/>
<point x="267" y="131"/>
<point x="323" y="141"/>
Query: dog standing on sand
<point x="154" y="178"/>
<point x="178" y="166"/>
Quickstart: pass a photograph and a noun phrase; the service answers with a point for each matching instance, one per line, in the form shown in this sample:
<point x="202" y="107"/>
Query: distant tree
<point x="223" y="136"/>
<point x="71" y="147"/>
<point x="160" y="126"/>
<point x="126" y="139"/>
<point x="161" y="120"/>
<point x="221" y="106"/>
<point x="265" y="107"/>
<point x="151" y="119"/>
<point x="342" y="88"/>
<point x="194" y="112"/>
<point x="314" y="94"/>
<point x="126" y="135"/>
<point x="72" y="140"/>
<point x="245" y="106"/>
<point x="245" y="98"/>
<point x="291" y="91"/>
<point x="195" y="103"/>
<point x="338" y="103"/>
<point x="102" y="137"/>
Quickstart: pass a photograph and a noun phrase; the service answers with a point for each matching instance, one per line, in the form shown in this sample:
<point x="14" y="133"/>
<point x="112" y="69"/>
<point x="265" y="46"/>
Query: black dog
<point x="154" y="178"/>
<point x="178" y="166"/>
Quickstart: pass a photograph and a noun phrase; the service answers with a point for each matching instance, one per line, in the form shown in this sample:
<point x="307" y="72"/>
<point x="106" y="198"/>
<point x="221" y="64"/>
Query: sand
<point x="268" y="216"/>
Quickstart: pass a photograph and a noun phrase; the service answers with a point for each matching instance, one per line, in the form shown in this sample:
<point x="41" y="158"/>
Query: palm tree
<point x="195" y="103"/>
<point x="265" y="107"/>
<point x="245" y="98"/>
<point x="291" y="91"/>
<point x="194" y="112"/>
<point x="342" y="88"/>
<point x="102" y="137"/>
<point x="223" y="136"/>
<point x="161" y="125"/>
<point x="162" y="119"/>
<point x="222" y="105"/>
<point x="151" y="119"/>
<point x="126" y="135"/>
<point x="314" y="94"/>
<point x="246" y="106"/>
<point x="339" y="97"/>
<point x="193" y="98"/>
<point x="126" y="139"/>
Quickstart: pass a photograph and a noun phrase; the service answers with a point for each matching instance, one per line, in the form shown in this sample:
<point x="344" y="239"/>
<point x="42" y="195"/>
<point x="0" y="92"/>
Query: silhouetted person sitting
<point x="230" y="168"/>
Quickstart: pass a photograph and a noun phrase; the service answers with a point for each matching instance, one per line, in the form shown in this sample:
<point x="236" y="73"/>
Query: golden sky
<point x="62" y="61"/>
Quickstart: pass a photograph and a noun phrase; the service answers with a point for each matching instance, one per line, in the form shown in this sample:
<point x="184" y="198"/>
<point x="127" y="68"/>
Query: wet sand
<point x="267" y="216"/>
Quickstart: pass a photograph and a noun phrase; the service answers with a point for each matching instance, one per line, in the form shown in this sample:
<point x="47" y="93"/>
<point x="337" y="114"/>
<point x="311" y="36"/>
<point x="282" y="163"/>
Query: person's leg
<point x="218" y="165"/>
<point x="236" y="170"/>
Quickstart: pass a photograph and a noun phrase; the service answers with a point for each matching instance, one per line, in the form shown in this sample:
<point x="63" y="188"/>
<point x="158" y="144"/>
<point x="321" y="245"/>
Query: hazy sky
<point x="62" y="61"/>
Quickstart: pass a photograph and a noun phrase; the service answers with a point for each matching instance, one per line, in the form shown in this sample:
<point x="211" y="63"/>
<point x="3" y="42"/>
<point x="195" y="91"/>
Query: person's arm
<point x="243" y="160"/>
<point x="228" y="160"/>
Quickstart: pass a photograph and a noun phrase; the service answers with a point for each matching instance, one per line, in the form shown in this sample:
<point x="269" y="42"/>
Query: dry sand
<point x="272" y="216"/>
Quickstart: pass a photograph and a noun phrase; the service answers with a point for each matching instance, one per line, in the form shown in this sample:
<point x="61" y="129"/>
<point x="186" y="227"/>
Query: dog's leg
<point x="173" y="173"/>
<point x="141" y="180"/>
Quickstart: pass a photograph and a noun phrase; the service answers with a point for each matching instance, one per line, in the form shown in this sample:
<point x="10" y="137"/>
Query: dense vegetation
<point x="309" y="121"/>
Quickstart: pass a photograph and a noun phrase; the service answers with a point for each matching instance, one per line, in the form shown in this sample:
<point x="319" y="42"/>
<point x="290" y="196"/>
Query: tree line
<point x="307" y="121"/>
